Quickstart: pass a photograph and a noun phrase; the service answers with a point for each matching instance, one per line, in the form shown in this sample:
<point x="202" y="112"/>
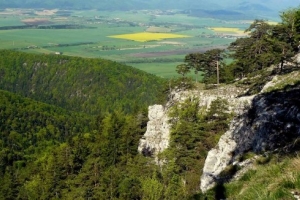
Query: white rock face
<point x="297" y="58"/>
<point x="222" y="155"/>
<point x="244" y="135"/>
<point x="156" y="139"/>
<point x="218" y="158"/>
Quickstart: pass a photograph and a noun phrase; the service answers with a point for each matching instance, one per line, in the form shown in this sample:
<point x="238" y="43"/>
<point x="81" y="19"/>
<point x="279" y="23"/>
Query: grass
<point x="273" y="181"/>
<point x="165" y="70"/>
<point x="284" y="80"/>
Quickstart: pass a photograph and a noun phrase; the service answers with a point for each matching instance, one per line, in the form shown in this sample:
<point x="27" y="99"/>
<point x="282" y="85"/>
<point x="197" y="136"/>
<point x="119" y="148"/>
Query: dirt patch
<point x="172" y="43"/>
<point x="35" y="21"/>
<point x="46" y="12"/>
<point x="155" y="29"/>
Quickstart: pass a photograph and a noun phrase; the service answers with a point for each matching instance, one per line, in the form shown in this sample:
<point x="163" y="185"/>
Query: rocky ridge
<point x="263" y="122"/>
<point x="272" y="122"/>
<point x="157" y="136"/>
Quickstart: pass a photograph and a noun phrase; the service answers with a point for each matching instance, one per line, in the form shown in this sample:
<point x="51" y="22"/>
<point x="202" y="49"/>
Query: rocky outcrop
<point x="272" y="123"/>
<point x="222" y="155"/>
<point x="156" y="139"/>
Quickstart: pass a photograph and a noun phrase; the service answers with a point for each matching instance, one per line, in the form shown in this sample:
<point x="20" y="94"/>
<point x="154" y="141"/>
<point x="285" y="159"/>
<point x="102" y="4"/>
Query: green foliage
<point x="194" y="132"/>
<point x="152" y="188"/>
<point x="29" y="132"/>
<point x="50" y="153"/>
<point x="262" y="160"/>
<point x="266" y="45"/>
<point x="255" y="81"/>
<point x="182" y="69"/>
<point x="210" y="63"/>
<point x="91" y="86"/>
<point x="181" y="83"/>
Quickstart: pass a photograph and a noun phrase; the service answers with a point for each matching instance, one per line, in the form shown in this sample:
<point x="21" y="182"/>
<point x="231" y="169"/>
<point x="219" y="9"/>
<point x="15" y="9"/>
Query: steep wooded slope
<point x="51" y="153"/>
<point x="84" y="85"/>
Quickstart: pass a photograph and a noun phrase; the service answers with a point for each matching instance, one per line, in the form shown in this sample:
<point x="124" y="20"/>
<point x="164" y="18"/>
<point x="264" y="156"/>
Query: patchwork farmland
<point x="153" y="41"/>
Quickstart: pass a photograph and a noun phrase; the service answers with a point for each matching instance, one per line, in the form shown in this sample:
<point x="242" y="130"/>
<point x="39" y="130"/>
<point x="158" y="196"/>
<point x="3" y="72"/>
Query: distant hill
<point x="249" y="9"/>
<point x="233" y="5"/>
<point x="225" y="14"/>
<point x="85" y="85"/>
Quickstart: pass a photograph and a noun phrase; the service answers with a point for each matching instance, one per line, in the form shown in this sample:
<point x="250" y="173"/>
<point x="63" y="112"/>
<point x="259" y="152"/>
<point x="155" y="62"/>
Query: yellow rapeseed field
<point x="145" y="36"/>
<point x="227" y="30"/>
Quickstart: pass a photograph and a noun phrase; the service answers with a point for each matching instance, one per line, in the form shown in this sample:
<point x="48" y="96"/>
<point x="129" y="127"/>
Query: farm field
<point x="153" y="41"/>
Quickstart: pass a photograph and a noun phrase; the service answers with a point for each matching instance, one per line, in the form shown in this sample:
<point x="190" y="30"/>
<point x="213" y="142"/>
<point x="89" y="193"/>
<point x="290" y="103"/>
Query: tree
<point x="152" y="188"/>
<point x="196" y="61"/>
<point x="287" y="28"/>
<point x="284" y="36"/>
<point x="208" y="62"/>
<point x="214" y="60"/>
<point x="182" y="69"/>
<point x="256" y="51"/>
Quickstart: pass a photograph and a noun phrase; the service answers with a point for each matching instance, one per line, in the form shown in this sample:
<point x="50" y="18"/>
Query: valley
<point x="149" y="100"/>
<point x="92" y="34"/>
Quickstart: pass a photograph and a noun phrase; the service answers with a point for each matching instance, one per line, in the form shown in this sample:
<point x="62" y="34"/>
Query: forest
<point x="91" y="86"/>
<point x="70" y="126"/>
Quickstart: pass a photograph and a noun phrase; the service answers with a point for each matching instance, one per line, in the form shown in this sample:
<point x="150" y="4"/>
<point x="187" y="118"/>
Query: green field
<point x="165" y="70"/>
<point x="87" y="34"/>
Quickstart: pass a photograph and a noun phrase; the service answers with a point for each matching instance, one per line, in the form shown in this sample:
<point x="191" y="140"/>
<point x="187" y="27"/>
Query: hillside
<point x="81" y="123"/>
<point x="91" y="86"/>
<point x="30" y="130"/>
<point x="51" y="153"/>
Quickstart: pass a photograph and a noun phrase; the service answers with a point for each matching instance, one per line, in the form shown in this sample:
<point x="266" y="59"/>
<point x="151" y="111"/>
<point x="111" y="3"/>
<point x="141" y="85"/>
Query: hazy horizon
<point x="275" y="5"/>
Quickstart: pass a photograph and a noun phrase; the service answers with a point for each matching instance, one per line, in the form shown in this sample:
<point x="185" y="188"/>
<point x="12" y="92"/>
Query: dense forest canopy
<point x="85" y="123"/>
<point x="84" y="85"/>
<point x="51" y="153"/>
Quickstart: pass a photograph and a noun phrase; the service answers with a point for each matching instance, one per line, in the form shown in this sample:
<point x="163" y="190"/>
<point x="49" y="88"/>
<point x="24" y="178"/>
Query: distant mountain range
<point x="253" y="7"/>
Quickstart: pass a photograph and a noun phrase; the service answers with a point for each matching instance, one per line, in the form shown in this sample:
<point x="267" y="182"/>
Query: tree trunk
<point x="218" y="76"/>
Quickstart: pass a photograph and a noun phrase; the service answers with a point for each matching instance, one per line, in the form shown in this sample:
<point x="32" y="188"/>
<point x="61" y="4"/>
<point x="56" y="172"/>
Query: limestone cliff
<point x="156" y="138"/>
<point x="263" y="122"/>
<point x="272" y="122"/>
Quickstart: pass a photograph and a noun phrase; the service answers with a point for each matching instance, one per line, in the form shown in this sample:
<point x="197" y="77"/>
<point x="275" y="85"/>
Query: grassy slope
<point x="275" y="180"/>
